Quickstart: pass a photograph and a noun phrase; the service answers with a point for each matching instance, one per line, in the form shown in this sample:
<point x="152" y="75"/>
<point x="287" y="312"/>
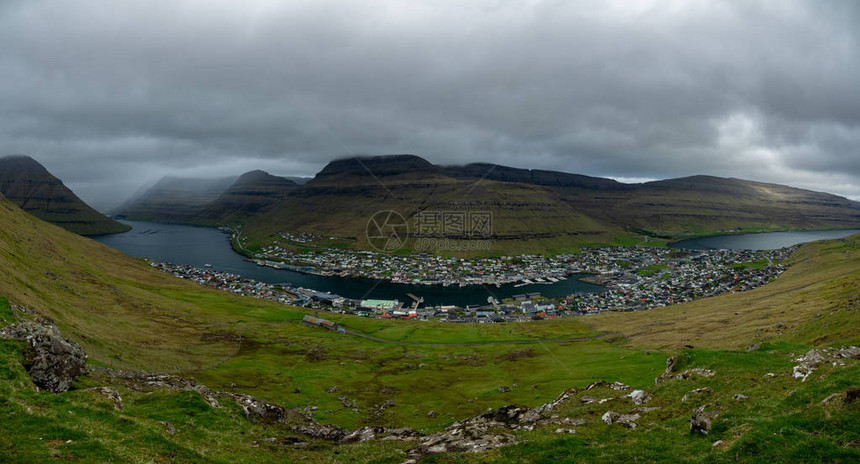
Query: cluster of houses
<point x="633" y="278"/>
<point x="419" y="268"/>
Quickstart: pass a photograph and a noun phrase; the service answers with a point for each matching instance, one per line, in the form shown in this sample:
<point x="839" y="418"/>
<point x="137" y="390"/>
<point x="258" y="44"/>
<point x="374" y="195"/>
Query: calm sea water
<point x="198" y="246"/>
<point x="766" y="241"/>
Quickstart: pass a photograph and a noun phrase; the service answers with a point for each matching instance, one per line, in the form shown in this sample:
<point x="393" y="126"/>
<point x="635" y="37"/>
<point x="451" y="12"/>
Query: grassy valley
<point x="128" y="316"/>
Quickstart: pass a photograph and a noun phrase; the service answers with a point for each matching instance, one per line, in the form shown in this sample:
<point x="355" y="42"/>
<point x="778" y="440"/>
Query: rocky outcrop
<point x="54" y="362"/>
<point x="258" y="411"/>
<point x="815" y="358"/>
<point x="626" y="420"/>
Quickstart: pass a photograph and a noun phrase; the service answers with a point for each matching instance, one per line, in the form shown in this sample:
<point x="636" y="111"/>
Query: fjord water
<point x="765" y="241"/>
<point x="198" y="246"/>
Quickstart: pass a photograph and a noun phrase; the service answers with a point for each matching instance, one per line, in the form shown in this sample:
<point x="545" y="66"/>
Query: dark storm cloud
<point x="112" y="95"/>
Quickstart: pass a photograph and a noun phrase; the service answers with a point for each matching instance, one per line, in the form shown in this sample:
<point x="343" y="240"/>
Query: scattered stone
<point x="808" y="363"/>
<point x="770" y="375"/>
<point x="719" y="444"/>
<point x="168" y="427"/>
<point x="297" y="390"/>
<point x="849" y="352"/>
<point x="698" y="391"/>
<point x="753" y="347"/>
<point x="618" y="386"/>
<point x="565" y="431"/>
<point x="609" y="417"/>
<point x="741" y="397"/>
<point x="55" y="361"/>
<point x="259" y="411"/>
<point x="321" y="432"/>
<point x="638" y="396"/>
<point x="332" y="389"/>
<point x="361" y="435"/>
<point x="432" y="414"/>
<point x="347" y="402"/>
<point x="670" y="365"/>
<point x="626" y="420"/>
<point x="689" y="373"/>
<point x="700" y="422"/>
<point x="111" y="394"/>
<point x="504" y="389"/>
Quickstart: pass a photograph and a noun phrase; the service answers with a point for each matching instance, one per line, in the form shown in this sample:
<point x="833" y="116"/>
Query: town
<point x="633" y="278"/>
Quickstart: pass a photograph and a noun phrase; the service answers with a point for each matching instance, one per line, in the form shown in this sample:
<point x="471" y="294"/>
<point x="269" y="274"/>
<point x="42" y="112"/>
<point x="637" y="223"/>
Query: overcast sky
<point x="112" y="95"/>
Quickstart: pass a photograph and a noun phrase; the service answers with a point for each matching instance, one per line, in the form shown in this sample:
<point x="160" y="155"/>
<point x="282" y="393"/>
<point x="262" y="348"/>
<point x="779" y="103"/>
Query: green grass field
<point x="128" y="316"/>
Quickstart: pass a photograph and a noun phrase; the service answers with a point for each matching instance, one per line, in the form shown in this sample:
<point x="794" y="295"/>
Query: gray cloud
<point x="113" y="95"/>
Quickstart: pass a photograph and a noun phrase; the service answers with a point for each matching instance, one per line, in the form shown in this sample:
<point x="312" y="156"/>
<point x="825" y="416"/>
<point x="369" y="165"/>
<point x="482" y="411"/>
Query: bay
<point x="763" y="241"/>
<point x="201" y="246"/>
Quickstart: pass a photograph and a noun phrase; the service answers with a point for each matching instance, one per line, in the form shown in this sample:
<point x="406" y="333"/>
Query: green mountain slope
<point x="30" y="186"/>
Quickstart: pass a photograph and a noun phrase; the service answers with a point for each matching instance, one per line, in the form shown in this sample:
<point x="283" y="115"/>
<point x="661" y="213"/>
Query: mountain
<point x="528" y="210"/>
<point x="250" y="194"/>
<point x="537" y="210"/>
<point x="174" y="199"/>
<point x="29" y="185"/>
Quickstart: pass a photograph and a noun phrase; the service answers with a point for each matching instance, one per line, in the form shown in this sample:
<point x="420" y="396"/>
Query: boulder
<point x="55" y="362"/>
<point x="639" y="396"/>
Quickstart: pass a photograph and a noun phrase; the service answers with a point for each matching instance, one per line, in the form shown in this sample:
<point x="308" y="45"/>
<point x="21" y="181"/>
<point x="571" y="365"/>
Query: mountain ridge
<point x="29" y="185"/>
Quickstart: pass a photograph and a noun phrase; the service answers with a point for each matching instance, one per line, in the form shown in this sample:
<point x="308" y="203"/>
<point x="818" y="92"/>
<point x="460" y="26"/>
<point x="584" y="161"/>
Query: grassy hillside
<point x="129" y="316"/>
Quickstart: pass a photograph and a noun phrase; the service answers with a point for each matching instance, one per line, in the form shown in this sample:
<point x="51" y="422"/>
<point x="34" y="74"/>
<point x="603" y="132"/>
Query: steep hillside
<point x="251" y="194"/>
<point x="174" y="199"/>
<point x="30" y="186"/>
<point x="341" y="199"/>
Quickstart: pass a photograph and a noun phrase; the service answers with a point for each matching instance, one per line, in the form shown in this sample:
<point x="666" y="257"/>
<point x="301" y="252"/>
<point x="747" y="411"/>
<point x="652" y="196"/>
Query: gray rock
<point x="55" y="362"/>
<point x="639" y="396"/>
<point x="850" y="352"/>
<point x="754" y="347"/>
<point x="259" y="411"/>
<point x="700" y="421"/>
<point x="626" y="420"/>
<point x="696" y="392"/>
<point x="168" y="427"/>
